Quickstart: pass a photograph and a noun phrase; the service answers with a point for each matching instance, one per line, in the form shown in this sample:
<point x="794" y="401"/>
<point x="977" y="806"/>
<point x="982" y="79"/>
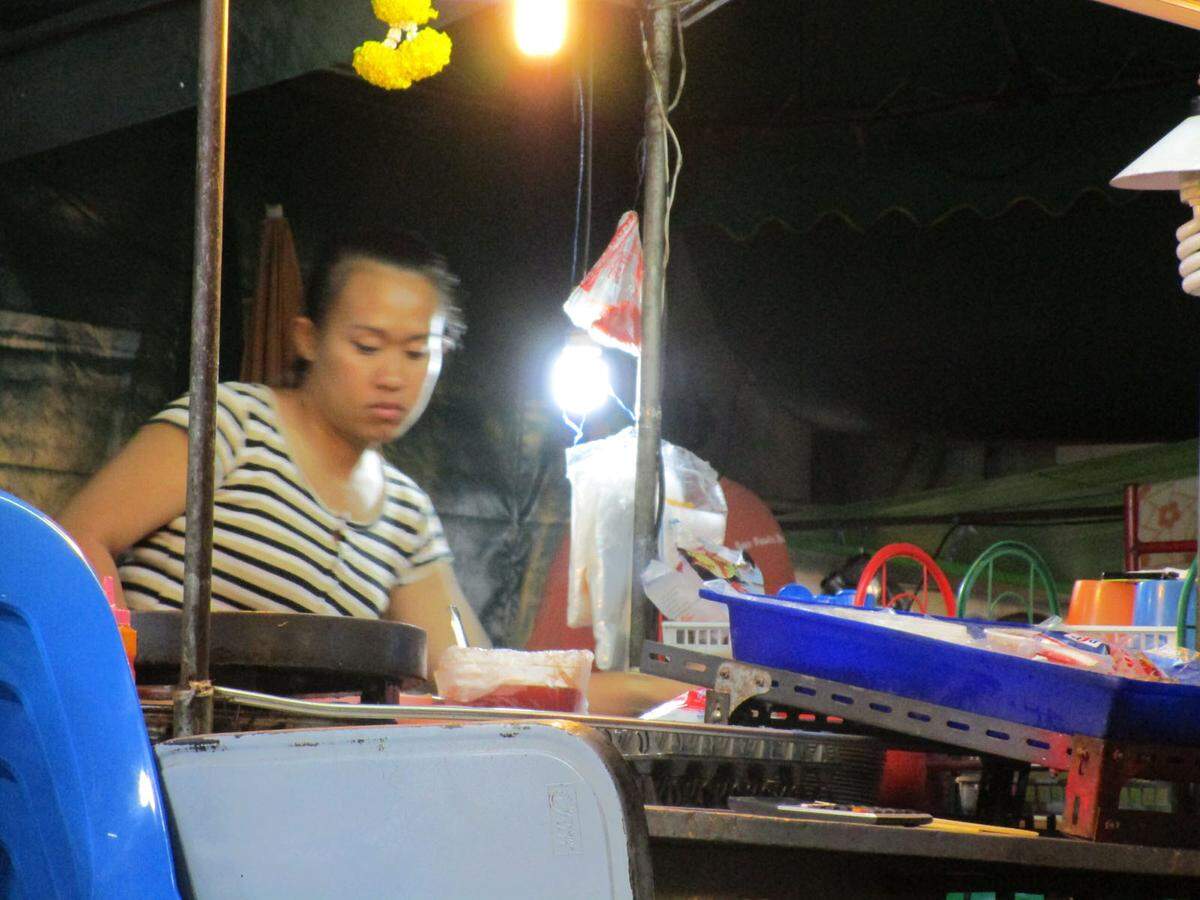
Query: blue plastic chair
<point x="81" y="813"/>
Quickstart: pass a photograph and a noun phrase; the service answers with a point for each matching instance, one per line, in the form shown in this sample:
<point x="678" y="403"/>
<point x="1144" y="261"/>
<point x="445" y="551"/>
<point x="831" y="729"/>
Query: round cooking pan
<point x="288" y="653"/>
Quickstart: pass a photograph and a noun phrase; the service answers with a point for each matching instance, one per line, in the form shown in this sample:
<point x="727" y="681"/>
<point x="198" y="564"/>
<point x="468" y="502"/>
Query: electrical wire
<point x="682" y="64"/>
<point x="660" y="103"/>
<point x="591" y="146"/>
<point x="660" y="506"/>
<point x="579" y="182"/>
<point x="640" y="156"/>
<point x="625" y="409"/>
<point x="582" y="238"/>
<point x="575" y="427"/>
<point x="945" y="537"/>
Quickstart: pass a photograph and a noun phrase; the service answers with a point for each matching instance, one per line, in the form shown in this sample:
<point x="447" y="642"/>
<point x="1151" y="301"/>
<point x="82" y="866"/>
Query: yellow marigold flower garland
<point x="409" y="52"/>
<point x="399" y="13"/>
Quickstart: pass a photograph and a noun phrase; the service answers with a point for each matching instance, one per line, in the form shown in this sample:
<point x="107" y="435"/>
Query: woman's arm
<point x="427" y="604"/>
<point x="138" y="491"/>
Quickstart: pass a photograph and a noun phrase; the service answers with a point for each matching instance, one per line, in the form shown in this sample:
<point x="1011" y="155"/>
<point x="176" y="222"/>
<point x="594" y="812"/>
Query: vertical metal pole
<point x="650" y="363"/>
<point x="193" y="695"/>
<point x="1132" y="557"/>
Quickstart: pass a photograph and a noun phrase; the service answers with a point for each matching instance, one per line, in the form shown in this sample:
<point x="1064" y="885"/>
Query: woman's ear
<point x="304" y="336"/>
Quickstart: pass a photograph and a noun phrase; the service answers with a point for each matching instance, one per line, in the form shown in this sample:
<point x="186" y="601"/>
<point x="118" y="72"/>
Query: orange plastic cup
<point x="1102" y="603"/>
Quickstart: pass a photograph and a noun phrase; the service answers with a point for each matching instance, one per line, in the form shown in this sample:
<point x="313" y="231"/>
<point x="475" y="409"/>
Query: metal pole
<point x="650" y="363"/>
<point x="1132" y="538"/>
<point x="192" y="712"/>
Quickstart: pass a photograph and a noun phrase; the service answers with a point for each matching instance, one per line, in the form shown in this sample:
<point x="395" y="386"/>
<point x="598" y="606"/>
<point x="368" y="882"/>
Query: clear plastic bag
<point x="601" y="563"/>
<point x="695" y="510"/>
<point x="555" y="680"/>
<point x="608" y="302"/>
<point x="601" y="475"/>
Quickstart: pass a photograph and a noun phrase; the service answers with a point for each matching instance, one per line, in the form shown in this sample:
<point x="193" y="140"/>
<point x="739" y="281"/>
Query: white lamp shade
<point x="1159" y="168"/>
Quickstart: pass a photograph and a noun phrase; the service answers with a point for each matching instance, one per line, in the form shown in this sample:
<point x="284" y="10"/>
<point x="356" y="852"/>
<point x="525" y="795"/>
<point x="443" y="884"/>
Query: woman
<point x="309" y="517"/>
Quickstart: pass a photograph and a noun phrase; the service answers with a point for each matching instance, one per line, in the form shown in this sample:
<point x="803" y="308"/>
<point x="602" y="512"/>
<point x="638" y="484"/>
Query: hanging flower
<point x="427" y="53"/>
<point x="400" y="13"/>
<point x="396" y="66"/>
<point x="409" y="52"/>
<point x="376" y="63"/>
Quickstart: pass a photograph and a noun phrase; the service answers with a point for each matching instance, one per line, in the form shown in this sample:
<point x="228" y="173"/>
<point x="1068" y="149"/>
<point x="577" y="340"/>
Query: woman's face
<point x="375" y="359"/>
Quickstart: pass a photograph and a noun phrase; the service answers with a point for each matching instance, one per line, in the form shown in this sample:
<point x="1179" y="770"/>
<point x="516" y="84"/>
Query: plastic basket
<point x="1133" y="637"/>
<point x="703" y="637"/>
<point x="798" y="637"/>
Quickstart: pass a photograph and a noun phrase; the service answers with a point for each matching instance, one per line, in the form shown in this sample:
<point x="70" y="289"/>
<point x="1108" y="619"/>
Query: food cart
<point x="454" y="808"/>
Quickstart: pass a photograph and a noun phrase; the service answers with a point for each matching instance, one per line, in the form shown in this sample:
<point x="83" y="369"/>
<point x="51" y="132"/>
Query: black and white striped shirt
<point x="276" y="546"/>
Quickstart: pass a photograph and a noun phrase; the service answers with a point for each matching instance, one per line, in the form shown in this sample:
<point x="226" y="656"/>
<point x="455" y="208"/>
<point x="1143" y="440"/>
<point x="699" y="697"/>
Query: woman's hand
<point x="138" y="491"/>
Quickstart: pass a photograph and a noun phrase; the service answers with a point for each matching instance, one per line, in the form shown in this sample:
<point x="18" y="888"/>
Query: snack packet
<point x="1179" y="664"/>
<point x="1135" y="664"/>
<point x="713" y="561"/>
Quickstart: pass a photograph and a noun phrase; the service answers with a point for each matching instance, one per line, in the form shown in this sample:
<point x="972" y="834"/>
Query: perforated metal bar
<point x="878" y="709"/>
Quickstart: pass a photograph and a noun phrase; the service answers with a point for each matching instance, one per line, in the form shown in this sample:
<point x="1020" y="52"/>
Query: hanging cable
<point x="682" y="63"/>
<point x="576" y="427"/>
<point x="625" y="409"/>
<point x="945" y="537"/>
<point x="661" y="104"/>
<point x="660" y="506"/>
<point x="640" y="156"/>
<point x="575" y="274"/>
<point x="591" y="148"/>
<point x="581" y="244"/>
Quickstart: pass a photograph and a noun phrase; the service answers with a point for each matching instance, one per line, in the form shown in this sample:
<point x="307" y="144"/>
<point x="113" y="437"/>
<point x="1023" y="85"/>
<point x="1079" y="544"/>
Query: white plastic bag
<point x="695" y="509"/>
<point x="601" y="562"/>
<point x="608" y="302"/>
<point x="601" y="475"/>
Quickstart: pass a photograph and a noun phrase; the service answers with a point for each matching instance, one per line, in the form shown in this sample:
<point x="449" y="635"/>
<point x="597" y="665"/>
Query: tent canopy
<point x="893" y="229"/>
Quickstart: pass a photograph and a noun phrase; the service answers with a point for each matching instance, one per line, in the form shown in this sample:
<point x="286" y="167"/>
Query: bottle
<point x="124" y="622"/>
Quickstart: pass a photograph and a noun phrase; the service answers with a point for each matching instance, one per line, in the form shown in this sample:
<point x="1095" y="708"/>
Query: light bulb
<point x="540" y="26"/>
<point x="579" y="379"/>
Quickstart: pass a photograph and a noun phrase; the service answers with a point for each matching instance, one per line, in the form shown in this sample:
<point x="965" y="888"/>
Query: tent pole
<point x="650" y="362"/>
<point x="192" y="710"/>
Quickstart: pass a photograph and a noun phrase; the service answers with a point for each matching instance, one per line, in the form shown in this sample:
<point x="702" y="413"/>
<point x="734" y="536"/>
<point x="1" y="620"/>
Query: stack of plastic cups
<point x="1102" y="603"/>
<point x="1156" y="603"/>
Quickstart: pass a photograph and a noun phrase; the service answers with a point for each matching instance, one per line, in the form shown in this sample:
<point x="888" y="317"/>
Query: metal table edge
<point x="727" y="827"/>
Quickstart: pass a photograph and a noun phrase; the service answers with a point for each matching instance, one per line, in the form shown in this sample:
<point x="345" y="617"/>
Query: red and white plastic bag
<point x="608" y="302"/>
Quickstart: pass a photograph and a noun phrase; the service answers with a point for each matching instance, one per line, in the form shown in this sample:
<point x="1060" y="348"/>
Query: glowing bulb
<point x="579" y="379"/>
<point x="540" y="26"/>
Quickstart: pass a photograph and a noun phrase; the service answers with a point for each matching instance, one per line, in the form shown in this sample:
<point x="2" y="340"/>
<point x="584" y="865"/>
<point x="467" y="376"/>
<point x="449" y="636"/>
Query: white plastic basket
<point x="703" y="637"/>
<point x="1138" y="637"/>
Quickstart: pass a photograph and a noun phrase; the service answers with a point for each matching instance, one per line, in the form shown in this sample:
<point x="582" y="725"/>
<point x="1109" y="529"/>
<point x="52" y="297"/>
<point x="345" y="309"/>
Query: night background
<point x="895" y="260"/>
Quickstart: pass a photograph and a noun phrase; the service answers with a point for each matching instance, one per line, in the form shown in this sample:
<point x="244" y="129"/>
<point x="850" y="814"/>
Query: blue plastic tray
<point x="795" y="636"/>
